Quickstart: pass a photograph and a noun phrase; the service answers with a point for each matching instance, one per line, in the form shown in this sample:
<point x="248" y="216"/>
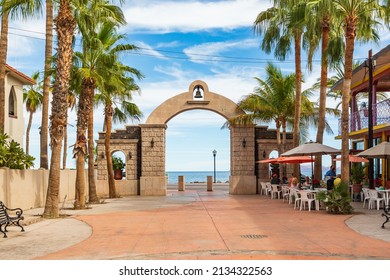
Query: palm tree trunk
<point x="346" y="91"/>
<point x="80" y="148"/>
<point x="110" y="171"/>
<point x="65" y="30"/>
<point x="65" y="150"/>
<point x="298" y="92"/>
<point x="3" y="61"/>
<point x="28" y="133"/>
<point x="284" y="135"/>
<point x="44" y="162"/>
<point x="92" y="196"/>
<point x="323" y="88"/>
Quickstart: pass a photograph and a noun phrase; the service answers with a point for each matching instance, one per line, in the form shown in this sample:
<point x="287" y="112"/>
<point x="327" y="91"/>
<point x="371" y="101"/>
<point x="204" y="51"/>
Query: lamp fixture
<point x="244" y="143"/>
<point x="102" y="155"/>
<point x="130" y="155"/>
<point x="264" y="154"/>
<point x="152" y="143"/>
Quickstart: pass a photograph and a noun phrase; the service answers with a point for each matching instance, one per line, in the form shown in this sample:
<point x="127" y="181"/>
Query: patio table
<point x="386" y="195"/>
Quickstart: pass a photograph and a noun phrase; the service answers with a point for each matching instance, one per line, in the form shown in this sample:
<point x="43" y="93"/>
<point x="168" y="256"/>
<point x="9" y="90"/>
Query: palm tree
<point x="65" y="26"/>
<point x="32" y="96"/>
<point x="116" y="95"/>
<point x="102" y="50"/>
<point x="320" y="15"/>
<point x="30" y="8"/>
<point x="71" y="101"/>
<point x="272" y="100"/>
<point x="3" y="61"/>
<point x="282" y="25"/>
<point x="44" y="162"/>
<point x="360" y="21"/>
<point x="90" y="15"/>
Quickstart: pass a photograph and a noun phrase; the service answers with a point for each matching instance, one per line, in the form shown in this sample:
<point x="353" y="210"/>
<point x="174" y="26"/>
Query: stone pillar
<point x="209" y="183"/>
<point x="152" y="181"/>
<point x="181" y="185"/>
<point x="242" y="167"/>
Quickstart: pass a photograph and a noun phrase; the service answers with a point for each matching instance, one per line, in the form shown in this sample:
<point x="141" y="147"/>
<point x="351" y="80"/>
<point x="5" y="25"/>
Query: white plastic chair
<point x="374" y="199"/>
<point x="286" y="193"/>
<point x="275" y="191"/>
<point x="269" y="188"/>
<point x="263" y="188"/>
<point x="365" y="197"/>
<point x="297" y="196"/>
<point x="306" y="199"/>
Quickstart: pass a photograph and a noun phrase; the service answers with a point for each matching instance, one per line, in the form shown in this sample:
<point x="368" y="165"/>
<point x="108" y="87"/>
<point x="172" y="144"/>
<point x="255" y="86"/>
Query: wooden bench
<point x="386" y="214"/>
<point x="10" y="217"/>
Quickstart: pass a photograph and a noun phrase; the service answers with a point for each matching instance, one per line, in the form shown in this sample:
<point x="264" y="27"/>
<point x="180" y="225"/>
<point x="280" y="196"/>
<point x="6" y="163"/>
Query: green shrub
<point x="12" y="155"/>
<point x="357" y="173"/>
<point x="117" y="163"/>
<point x="337" y="201"/>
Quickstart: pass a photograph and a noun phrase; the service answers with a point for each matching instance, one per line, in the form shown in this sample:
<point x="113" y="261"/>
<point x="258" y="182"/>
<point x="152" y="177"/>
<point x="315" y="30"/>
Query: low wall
<point x="27" y="189"/>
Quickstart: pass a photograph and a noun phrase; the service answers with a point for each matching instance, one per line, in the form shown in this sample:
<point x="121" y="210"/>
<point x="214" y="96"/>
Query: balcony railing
<point x="359" y="120"/>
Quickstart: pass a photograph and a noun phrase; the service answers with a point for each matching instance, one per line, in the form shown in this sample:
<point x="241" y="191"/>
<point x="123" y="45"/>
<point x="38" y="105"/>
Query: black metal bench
<point x="10" y="216"/>
<point x="386" y="214"/>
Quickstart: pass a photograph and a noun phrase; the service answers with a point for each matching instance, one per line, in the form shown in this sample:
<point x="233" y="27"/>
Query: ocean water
<point x="197" y="176"/>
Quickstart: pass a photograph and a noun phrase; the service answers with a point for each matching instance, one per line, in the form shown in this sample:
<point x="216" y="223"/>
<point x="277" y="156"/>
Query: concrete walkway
<point x="196" y="224"/>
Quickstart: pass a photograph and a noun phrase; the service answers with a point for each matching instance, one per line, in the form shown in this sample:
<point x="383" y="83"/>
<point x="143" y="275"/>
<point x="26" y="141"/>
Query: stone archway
<point x="144" y="146"/>
<point x="198" y="96"/>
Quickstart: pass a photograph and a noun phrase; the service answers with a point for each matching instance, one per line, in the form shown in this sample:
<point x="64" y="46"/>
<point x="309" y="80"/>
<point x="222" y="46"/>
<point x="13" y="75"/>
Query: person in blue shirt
<point x="330" y="176"/>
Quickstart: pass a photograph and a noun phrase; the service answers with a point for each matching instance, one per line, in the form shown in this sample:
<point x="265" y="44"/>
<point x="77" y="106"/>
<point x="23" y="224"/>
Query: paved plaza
<point x="196" y="224"/>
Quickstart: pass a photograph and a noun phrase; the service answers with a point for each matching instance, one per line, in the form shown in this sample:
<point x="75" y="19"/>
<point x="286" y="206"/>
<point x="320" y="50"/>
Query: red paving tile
<point x="217" y="226"/>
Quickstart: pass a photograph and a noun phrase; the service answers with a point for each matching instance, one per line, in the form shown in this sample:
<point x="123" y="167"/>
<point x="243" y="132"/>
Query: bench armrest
<point x="17" y="212"/>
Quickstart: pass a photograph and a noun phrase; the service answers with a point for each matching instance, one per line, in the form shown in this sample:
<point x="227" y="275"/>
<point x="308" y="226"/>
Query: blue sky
<point x="182" y="41"/>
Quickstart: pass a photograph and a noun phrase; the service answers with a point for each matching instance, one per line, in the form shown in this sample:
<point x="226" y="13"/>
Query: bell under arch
<point x="198" y="97"/>
<point x="188" y="101"/>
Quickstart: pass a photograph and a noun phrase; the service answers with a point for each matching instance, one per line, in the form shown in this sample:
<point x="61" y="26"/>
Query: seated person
<point x="316" y="183"/>
<point x="378" y="182"/>
<point x="294" y="183"/>
<point x="275" y="179"/>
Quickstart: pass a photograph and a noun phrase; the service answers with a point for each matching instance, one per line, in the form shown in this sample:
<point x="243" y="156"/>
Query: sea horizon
<point x="197" y="176"/>
<point x="221" y="176"/>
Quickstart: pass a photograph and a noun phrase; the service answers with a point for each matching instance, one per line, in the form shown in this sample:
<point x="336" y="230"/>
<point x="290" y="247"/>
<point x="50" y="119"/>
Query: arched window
<point x="12" y="102"/>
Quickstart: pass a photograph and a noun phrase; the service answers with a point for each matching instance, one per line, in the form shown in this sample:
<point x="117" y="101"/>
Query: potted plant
<point x="117" y="166"/>
<point x="357" y="177"/>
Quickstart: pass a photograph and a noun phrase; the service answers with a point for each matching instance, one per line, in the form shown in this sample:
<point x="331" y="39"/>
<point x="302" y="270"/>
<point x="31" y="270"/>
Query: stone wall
<point x="153" y="150"/>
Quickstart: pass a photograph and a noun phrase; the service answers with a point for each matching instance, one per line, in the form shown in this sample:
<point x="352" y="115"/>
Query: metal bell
<point x="198" y="94"/>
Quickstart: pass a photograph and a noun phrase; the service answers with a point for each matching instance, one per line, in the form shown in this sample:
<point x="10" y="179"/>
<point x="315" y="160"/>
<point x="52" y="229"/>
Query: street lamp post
<point x="214" y="154"/>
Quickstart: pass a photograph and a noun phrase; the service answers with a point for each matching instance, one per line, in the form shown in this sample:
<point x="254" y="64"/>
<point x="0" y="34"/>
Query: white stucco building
<point x="14" y="119"/>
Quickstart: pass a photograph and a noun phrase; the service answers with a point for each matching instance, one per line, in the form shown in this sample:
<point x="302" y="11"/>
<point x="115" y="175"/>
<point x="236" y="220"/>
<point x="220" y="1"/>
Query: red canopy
<point x="294" y="159"/>
<point x="353" y="158"/>
<point x="269" y="160"/>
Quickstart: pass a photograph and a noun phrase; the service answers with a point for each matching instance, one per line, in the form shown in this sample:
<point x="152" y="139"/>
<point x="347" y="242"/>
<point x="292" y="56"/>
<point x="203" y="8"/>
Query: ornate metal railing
<point x="359" y="119"/>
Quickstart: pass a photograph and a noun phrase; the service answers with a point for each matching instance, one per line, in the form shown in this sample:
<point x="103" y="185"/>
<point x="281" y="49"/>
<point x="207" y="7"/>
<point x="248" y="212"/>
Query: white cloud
<point x="200" y="53"/>
<point x="172" y="44"/>
<point x="188" y="16"/>
<point x="148" y="50"/>
<point x="232" y="83"/>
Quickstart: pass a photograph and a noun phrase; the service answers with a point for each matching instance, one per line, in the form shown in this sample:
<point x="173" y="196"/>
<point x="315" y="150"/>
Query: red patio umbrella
<point x="296" y="159"/>
<point x="353" y="158"/>
<point x="268" y="160"/>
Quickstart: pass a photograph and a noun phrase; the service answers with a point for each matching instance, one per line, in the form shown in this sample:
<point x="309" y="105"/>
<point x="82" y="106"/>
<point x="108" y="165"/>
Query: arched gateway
<point x="144" y="145"/>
